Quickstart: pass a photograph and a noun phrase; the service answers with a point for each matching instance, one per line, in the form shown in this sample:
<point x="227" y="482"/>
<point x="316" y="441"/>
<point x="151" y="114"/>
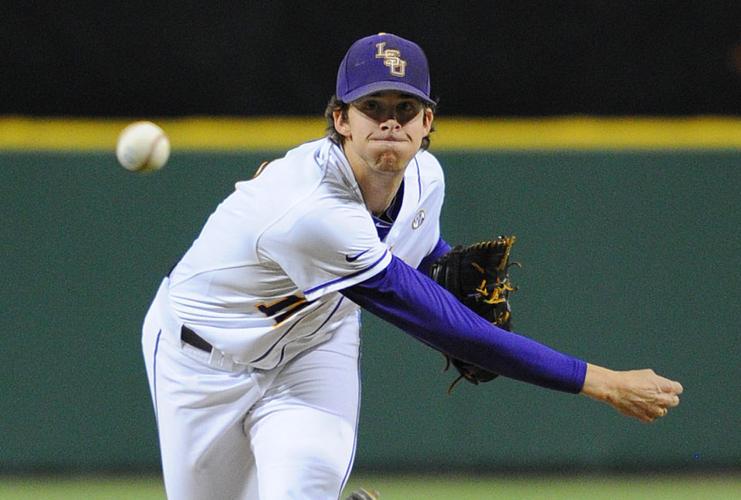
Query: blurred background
<point x="504" y="58"/>
<point x="630" y="247"/>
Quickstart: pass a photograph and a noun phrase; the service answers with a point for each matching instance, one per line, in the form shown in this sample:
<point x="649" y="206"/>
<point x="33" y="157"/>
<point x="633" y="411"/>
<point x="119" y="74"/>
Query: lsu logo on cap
<point x="392" y="59"/>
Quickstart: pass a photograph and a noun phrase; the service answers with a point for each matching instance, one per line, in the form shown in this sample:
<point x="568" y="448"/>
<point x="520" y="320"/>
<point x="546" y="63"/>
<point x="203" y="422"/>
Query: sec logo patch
<point x="418" y="219"/>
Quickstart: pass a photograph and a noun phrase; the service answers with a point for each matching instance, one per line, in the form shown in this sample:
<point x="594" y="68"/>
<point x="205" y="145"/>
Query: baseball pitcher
<point x="251" y="342"/>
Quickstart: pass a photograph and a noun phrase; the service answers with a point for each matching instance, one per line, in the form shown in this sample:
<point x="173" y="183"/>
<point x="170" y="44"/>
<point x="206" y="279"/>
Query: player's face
<point x="383" y="131"/>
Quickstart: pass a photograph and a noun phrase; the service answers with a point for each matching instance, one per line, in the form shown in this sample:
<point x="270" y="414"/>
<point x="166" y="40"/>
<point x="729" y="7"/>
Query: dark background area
<point x="505" y="58"/>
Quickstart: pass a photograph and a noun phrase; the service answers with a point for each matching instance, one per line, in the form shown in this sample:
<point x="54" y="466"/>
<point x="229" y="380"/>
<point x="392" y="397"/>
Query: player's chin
<point x="391" y="161"/>
<point x="393" y="157"/>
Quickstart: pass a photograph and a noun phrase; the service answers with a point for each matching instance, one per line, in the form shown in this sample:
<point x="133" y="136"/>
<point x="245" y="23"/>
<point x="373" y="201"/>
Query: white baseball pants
<point x="241" y="434"/>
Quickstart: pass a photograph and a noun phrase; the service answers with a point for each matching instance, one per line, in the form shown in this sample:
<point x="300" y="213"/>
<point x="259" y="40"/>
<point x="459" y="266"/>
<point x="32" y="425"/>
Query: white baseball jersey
<point x="261" y="281"/>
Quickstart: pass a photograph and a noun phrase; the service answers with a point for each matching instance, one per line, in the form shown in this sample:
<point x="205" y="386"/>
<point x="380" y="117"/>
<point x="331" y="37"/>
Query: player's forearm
<point x="417" y="305"/>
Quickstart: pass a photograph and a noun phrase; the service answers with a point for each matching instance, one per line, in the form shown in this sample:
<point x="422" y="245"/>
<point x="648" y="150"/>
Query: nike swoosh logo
<point x="353" y="258"/>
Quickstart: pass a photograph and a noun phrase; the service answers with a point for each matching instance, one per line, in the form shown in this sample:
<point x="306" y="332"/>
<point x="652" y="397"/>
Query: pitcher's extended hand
<point x="640" y="394"/>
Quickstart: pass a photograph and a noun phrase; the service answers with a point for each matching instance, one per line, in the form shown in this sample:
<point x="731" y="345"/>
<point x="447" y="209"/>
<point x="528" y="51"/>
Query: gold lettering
<point x="391" y="59"/>
<point x="379" y="51"/>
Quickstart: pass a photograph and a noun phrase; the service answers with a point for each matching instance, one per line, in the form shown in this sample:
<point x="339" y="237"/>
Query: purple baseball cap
<point x="383" y="62"/>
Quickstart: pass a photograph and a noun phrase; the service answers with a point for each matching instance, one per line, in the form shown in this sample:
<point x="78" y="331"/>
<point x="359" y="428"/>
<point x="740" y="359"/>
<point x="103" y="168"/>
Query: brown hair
<point x="335" y="104"/>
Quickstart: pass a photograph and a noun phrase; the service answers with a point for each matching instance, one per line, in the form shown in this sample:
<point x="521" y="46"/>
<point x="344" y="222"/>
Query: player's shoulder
<point x="428" y="168"/>
<point x="302" y="154"/>
<point x="429" y="164"/>
<point x="322" y="221"/>
<point x="296" y="168"/>
<point x="320" y="201"/>
<point x="309" y="149"/>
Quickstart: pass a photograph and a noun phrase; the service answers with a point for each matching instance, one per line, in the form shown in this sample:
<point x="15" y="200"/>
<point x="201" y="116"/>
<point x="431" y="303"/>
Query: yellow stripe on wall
<point x="271" y="133"/>
<point x="583" y="133"/>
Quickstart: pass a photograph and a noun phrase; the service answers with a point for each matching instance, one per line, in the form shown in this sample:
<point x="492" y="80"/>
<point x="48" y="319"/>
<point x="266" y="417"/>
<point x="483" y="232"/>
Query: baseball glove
<point x="478" y="276"/>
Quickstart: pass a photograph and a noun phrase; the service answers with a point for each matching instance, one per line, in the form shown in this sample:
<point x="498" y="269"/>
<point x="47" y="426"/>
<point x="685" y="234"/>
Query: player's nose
<point x="390" y="123"/>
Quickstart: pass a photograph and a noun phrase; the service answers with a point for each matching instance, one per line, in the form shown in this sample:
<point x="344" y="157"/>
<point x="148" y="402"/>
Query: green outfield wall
<point x="630" y="259"/>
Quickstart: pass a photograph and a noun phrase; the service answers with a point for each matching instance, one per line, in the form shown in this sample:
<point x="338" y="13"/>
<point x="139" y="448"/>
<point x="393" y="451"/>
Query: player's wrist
<point x="599" y="382"/>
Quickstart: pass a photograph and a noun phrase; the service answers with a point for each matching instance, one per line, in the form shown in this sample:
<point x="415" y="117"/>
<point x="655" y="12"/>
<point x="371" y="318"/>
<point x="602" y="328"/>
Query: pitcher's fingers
<point x="643" y="413"/>
<point x="658" y="411"/>
<point x="667" y="400"/>
<point x="671" y="386"/>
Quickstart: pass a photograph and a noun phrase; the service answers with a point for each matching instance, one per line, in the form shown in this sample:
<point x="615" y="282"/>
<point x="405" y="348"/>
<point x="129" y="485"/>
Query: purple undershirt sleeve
<point x="440" y="249"/>
<point x="413" y="302"/>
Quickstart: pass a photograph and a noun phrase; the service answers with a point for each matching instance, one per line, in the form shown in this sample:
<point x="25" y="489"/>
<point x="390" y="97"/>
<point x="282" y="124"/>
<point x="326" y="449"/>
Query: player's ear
<point x="341" y="123"/>
<point x="427" y="120"/>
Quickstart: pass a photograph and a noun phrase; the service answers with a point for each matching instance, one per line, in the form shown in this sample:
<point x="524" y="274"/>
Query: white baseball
<point x="143" y="147"/>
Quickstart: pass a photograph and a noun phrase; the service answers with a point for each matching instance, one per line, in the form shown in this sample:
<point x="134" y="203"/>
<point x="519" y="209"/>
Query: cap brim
<point x="374" y="87"/>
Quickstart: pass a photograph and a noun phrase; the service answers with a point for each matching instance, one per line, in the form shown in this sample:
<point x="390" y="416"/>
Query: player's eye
<point x="406" y="111"/>
<point x="371" y="108"/>
<point x="402" y="111"/>
<point x="368" y="105"/>
<point x="405" y="106"/>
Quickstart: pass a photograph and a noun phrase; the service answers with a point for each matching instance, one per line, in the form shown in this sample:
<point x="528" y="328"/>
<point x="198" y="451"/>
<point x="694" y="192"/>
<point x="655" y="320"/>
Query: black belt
<point x="192" y="338"/>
